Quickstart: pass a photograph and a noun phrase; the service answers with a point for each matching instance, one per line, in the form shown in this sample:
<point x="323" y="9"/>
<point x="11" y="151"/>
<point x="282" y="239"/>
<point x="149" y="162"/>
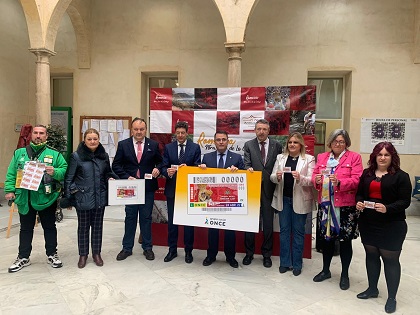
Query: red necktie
<point x="263" y="151"/>
<point x="139" y="154"/>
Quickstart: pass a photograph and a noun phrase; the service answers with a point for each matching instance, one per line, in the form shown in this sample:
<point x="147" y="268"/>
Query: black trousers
<point x="173" y="230"/>
<point x="229" y="243"/>
<point x="26" y="234"/>
<point x="93" y="221"/>
<point x="267" y="216"/>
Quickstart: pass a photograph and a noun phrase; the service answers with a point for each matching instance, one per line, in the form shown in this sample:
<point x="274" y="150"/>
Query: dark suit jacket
<point x="170" y="157"/>
<point x="210" y="159"/>
<point x="125" y="161"/>
<point x="252" y="158"/>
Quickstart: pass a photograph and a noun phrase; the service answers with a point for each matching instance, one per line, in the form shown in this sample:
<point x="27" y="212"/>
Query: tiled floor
<point x="138" y="286"/>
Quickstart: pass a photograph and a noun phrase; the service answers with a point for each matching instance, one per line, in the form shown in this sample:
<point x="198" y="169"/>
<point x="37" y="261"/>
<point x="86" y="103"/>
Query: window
<point x="62" y="91"/>
<point x="329" y="96"/>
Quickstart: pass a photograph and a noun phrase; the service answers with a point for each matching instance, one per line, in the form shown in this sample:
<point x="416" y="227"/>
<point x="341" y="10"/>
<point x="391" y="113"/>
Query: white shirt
<point x="185" y="146"/>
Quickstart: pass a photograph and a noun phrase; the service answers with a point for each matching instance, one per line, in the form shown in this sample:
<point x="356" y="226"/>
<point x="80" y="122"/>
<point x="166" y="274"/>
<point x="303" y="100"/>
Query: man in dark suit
<point x="222" y="158"/>
<point x="138" y="157"/>
<point x="260" y="155"/>
<point x="178" y="153"/>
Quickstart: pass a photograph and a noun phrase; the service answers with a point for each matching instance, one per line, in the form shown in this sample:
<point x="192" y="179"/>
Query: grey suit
<point x="252" y="158"/>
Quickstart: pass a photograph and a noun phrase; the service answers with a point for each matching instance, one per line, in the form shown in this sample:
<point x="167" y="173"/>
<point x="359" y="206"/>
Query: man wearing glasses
<point x="222" y="158"/>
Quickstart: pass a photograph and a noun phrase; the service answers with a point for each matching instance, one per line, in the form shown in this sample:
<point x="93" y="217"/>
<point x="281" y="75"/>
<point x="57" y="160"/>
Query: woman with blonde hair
<point x="86" y="183"/>
<point x="293" y="197"/>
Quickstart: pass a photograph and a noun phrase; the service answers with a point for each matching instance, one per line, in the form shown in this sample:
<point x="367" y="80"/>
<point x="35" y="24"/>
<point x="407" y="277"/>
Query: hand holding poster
<point x="126" y="192"/>
<point x="32" y="175"/>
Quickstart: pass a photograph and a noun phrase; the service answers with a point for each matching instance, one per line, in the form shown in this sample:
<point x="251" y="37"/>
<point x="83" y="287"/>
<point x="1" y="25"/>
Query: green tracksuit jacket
<point x="39" y="200"/>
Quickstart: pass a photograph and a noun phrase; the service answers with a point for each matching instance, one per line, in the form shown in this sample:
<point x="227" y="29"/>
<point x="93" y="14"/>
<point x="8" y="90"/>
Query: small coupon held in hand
<point x="148" y="176"/>
<point x="174" y="166"/>
<point x="369" y="204"/>
<point x="287" y="169"/>
<point x="325" y="172"/>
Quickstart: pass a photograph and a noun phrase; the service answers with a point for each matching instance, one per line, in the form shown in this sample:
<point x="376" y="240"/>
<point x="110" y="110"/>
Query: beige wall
<point x="284" y="40"/>
<point x="133" y="36"/>
<point x="17" y="79"/>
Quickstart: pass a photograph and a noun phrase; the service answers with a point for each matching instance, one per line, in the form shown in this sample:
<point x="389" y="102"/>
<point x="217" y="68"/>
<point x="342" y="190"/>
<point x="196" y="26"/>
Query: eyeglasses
<point x="221" y="140"/>
<point x="341" y="142"/>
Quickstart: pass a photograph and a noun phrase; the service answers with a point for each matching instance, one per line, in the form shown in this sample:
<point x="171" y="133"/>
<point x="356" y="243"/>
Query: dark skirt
<point x="348" y="224"/>
<point x="383" y="235"/>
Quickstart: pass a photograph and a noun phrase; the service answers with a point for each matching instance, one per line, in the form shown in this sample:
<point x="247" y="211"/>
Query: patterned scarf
<point x="330" y="216"/>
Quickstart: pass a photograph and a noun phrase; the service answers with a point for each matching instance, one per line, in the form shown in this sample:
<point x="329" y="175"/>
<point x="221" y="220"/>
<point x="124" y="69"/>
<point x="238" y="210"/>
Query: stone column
<point x="234" y="70"/>
<point x="43" y="90"/>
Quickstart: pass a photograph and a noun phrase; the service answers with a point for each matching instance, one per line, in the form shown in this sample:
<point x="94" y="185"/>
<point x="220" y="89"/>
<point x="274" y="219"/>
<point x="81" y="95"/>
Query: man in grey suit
<point x="260" y="155"/>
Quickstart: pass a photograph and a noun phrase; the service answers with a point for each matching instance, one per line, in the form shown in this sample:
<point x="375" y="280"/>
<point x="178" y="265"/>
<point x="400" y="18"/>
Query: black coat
<point x="396" y="196"/>
<point x="86" y="182"/>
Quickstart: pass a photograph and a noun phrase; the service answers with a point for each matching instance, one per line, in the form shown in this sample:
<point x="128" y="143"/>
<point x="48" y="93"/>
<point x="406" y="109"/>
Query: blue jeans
<point x="144" y="215"/>
<point x="291" y="223"/>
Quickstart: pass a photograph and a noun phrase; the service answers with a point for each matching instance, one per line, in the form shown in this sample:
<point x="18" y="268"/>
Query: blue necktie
<point x="181" y="154"/>
<point x="221" y="164"/>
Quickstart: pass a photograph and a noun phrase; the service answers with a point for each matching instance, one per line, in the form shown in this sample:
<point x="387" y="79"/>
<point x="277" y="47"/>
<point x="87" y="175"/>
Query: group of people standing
<point x="349" y="199"/>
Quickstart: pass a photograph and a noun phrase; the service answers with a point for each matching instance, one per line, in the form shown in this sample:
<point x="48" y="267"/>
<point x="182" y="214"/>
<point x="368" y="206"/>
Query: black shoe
<point x="232" y="262"/>
<point x="123" y="255"/>
<point x="297" y="272"/>
<point x="322" y="276"/>
<point x="188" y="257"/>
<point x="284" y="269"/>
<point x="208" y="261"/>
<point x="267" y="262"/>
<point x="150" y="255"/>
<point x="391" y="305"/>
<point x="247" y="259"/>
<point x="369" y="293"/>
<point x="344" y="283"/>
<point x="170" y="256"/>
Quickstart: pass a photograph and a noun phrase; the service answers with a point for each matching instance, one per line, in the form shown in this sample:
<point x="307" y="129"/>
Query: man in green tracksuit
<point x="43" y="201"/>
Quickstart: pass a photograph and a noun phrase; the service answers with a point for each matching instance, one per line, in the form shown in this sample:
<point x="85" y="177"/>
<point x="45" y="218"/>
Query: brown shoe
<point x="98" y="260"/>
<point x="82" y="262"/>
<point x="140" y="238"/>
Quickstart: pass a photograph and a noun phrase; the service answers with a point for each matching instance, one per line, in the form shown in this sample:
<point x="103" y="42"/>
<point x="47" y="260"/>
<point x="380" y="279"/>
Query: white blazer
<point x="303" y="194"/>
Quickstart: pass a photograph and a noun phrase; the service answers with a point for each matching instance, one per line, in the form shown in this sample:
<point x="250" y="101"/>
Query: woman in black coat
<point x="383" y="194"/>
<point x="86" y="184"/>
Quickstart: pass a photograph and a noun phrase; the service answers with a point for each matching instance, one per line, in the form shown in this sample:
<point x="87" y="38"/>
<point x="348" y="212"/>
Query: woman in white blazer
<point x="294" y="199"/>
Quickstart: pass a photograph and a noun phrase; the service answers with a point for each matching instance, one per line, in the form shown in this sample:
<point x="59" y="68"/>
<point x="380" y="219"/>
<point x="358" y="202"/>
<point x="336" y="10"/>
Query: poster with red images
<point x="235" y="110"/>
